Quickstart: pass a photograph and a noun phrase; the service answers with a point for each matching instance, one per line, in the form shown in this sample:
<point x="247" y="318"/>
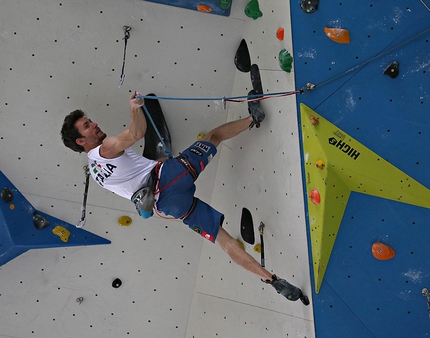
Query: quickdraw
<point x="83" y="219"/>
<point x="126" y="30"/>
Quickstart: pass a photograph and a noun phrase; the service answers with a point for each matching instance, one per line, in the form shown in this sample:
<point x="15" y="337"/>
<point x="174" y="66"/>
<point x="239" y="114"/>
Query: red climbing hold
<point x="280" y="33"/>
<point x="315" y="197"/>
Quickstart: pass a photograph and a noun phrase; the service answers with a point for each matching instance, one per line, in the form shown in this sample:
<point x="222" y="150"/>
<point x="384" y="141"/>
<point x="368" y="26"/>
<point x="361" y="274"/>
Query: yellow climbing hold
<point x="241" y="244"/>
<point x="320" y="164"/>
<point x="124" y="221"/>
<point x="200" y="136"/>
<point x="61" y="232"/>
<point x="257" y="248"/>
<point x="12" y="206"/>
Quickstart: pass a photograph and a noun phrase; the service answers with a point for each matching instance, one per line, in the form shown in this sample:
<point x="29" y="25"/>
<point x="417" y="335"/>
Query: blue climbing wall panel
<point x="213" y="6"/>
<point x="361" y="296"/>
<point x="19" y="234"/>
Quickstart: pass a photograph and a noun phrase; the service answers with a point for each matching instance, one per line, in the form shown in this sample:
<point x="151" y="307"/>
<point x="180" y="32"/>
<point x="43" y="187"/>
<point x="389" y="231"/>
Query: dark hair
<point x="69" y="133"/>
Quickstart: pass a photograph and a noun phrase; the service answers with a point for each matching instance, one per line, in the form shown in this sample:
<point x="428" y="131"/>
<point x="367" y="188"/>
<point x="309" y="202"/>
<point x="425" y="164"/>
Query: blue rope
<point x="224" y="99"/>
<point x="232" y="98"/>
<point x="166" y="150"/>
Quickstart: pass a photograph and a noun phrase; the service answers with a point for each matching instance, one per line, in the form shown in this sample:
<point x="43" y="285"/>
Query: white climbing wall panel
<point x="262" y="168"/>
<point x="61" y="55"/>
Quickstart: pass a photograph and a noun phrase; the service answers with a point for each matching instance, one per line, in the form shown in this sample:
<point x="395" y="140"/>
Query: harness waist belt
<point x="187" y="165"/>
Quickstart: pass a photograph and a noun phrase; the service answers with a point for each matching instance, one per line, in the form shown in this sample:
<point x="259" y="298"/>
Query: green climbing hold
<point x="225" y="4"/>
<point x="285" y="60"/>
<point x="252" y="10"/>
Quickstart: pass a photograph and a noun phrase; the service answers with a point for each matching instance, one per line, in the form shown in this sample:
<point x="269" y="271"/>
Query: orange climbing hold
<point x="280" y="34"/>
<point x="315" y="196"/>
<point x="382" y="251"/>
<point x="314" y="120"/>
<point x="338" y="35"/>
<point x="204" y="8"/>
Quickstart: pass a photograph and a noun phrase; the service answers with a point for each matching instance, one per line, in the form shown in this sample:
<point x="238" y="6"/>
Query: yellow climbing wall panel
<point x="336" y="164"/>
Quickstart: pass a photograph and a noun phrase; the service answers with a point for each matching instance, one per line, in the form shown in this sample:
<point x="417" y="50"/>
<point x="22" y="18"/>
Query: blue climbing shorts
<point x="177" y="190"/>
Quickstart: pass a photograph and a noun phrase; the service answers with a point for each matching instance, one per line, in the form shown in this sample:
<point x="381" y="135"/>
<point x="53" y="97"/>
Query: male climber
<point x="166" y="186"/>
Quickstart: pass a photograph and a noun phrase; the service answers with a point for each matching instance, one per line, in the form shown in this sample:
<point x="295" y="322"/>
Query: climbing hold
<point x="320" y="164"/>
<point x="39" y="221"/>
<point x="382" y="251"/>
<point x="314" y="120"/>
<point x="309" y="6"/>
<point x="392" y="70"/>
<point x="116" y="283"/>
<point x="280" y="33"/>
<point x="315" y="197"/>
<point x="285" y="60"/>
<point x="225" y="4"/>
<point x="252" y="10"/>
<point x="200" y="136"/>
<point x="61" y="232"/>
<point x="338" y="35"/>
<point x="204" y="8"/>
<point x="242" y="59"/>
<point x="12" y="206"/>
<point x="241" y="244"/>
<point x="257" y="248"/>
<point x="6" y="195"/>
<point x="124" y="221"/>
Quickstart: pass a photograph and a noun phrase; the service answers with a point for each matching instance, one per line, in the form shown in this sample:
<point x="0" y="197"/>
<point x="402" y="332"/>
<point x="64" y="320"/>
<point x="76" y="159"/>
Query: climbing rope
<point x="368" y="61"/>
<point x="252" y="98"/>
<point x="239" y="99"/>
<point x="166" y="150"/>
<point x="425" y="5"/>
<point x="304" y="90"/>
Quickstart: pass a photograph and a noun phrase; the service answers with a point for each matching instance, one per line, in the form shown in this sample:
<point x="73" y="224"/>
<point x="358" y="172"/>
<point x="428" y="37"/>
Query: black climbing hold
<point x="242" y="60"/>
<point x="6" y="195"/>
<point x="304" y="299"/>
<point x="39" y="221"/>
<point x="392" y="70"/>
<point x="247" y="226"/>
<point x="116" y="283"/>
<point x="309" y="6"/>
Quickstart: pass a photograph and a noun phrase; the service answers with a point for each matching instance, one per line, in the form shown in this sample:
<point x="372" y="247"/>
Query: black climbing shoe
<point x="256" y="80"/>
<point x="255" y="111"/>
<point x="287" y="290"/>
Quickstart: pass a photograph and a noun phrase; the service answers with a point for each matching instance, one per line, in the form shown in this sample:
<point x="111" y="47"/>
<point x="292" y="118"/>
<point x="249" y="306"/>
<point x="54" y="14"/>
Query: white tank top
<point x="123" y="175"/>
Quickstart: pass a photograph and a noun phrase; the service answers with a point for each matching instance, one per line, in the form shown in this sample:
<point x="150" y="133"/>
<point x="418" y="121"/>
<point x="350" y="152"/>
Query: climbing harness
<point x="83" y="219"/>
<point x="187" y="165"/>
<point x="144" y="198"/>
<point x="126" y="30"/>
<point x="237" y="99"/>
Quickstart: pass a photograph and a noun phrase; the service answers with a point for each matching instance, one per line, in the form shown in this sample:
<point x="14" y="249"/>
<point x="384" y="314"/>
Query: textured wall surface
<point x="57" y="56"/>
<point x="361" y="296"/>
